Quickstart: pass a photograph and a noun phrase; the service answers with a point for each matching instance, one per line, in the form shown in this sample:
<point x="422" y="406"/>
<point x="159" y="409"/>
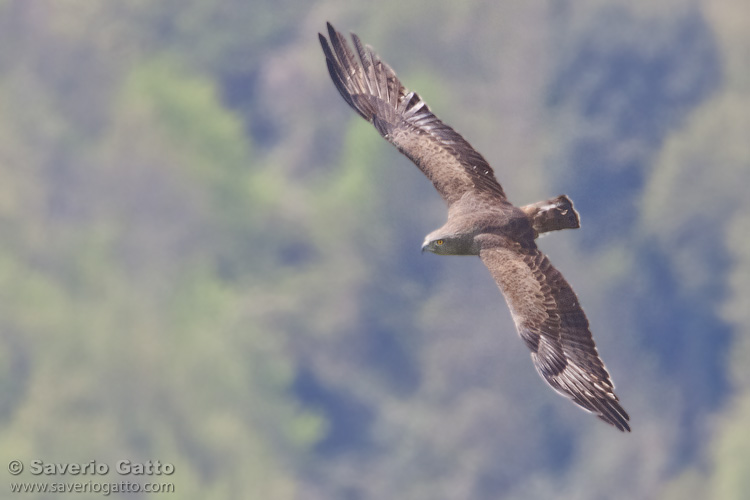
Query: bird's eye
<point x="439" y="242"/>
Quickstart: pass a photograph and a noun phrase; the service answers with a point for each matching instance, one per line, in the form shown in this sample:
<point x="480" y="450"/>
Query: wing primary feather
<point x="345" y="58"/>
<point x="365" y="59"/>
<point x="337" y="75"/>
<point x="380" y="76"/>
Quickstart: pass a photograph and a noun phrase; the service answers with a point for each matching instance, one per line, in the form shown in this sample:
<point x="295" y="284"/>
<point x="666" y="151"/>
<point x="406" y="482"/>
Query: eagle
<point x="481" y="221"/>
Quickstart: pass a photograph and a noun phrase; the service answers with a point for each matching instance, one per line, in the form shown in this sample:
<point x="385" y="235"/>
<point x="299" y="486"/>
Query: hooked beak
<point x="424" y="246"/>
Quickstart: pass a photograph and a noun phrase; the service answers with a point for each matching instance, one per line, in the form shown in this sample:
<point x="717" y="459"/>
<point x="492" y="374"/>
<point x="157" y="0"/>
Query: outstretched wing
<point x="553" y="325"/>
<point x="372" y="88"/>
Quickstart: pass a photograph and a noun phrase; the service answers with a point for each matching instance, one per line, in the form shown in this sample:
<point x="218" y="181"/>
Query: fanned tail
<point x="552" y="215"/>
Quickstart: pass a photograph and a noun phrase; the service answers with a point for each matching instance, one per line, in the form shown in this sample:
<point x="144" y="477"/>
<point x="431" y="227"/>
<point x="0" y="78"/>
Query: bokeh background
<point x="208" y="259"/>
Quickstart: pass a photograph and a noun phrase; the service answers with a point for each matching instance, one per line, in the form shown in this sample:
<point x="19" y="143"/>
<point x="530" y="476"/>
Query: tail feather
<point x="552" y="215"/>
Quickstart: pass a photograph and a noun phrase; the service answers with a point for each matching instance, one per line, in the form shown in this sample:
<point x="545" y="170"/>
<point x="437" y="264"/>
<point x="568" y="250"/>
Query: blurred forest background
<point x="208" y="259"/>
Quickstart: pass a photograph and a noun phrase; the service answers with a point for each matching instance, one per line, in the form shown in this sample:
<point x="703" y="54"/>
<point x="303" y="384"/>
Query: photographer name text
<point x="94" y="468"/>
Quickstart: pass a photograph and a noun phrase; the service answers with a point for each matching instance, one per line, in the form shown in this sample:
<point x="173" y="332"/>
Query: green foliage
<point x="732" y="453"/>
<point x="706" y="158"/>
<point x="119" y="330"/>
<point x="184" y="109"/>
<point x="208" y="260"/>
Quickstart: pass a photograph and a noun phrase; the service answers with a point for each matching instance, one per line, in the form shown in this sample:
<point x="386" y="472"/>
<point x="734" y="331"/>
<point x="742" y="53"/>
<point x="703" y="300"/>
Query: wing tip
<point x="331" y="30"/>
<point x="617" y="416"/>
<point x="621" y="424"/>
<point x="323" y="40"/>
<point x="607" y="407"/>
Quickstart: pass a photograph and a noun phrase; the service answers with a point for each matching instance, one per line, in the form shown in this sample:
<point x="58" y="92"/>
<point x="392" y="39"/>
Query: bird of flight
<point x="481" y="221"/>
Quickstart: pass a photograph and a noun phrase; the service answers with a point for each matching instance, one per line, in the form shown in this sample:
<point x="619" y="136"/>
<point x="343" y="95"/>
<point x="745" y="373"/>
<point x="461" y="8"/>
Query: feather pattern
<point x="552" y="323"/>
<point x="372" y="88"/>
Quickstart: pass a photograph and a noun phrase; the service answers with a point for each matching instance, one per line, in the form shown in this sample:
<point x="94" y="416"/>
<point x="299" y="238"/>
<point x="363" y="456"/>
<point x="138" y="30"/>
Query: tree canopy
<point x="209" y="260"/>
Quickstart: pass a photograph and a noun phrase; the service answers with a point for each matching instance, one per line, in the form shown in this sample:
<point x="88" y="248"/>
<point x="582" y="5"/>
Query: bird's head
<point x="438" y="245"/>
<point x="442" y="244"/>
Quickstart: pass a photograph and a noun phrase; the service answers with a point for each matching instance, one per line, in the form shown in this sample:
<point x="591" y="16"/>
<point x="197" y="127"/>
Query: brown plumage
<point x="481" y="221"/>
